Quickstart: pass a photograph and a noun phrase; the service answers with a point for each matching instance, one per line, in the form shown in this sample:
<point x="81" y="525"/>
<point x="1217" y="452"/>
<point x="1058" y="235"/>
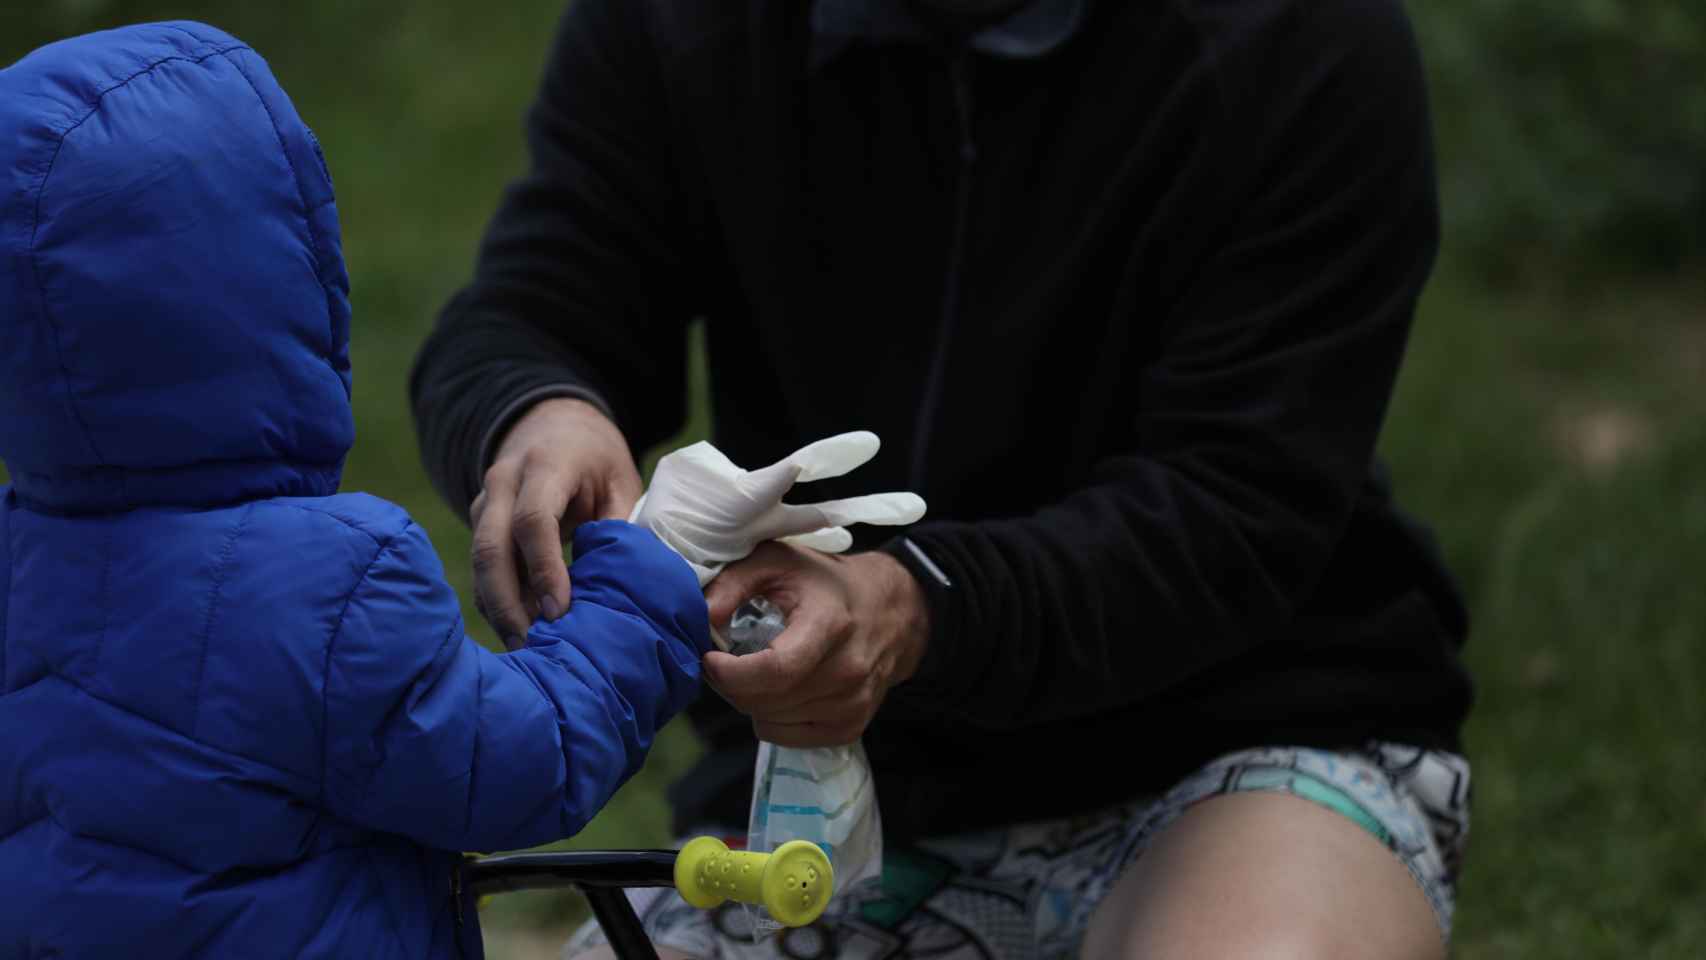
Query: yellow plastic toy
<point x="793" y="883"/>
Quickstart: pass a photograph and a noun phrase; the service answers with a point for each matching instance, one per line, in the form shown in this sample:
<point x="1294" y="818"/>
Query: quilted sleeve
<point x="432" y="736"/>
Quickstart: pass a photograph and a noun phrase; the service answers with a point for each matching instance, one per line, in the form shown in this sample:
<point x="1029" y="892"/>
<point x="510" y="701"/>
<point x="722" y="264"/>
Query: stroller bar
<point x="587" y="870"/>
<point x="621" y="926"/>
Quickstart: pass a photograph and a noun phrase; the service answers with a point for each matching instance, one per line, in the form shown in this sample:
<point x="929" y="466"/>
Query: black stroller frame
<point x="598" y="875"/>
<point x="793" y="883"/>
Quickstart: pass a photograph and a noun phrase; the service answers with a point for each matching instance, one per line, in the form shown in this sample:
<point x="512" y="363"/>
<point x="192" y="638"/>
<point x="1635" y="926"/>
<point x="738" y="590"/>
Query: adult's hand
<point x="562" y="464"/>
<point x="857" y="625"/>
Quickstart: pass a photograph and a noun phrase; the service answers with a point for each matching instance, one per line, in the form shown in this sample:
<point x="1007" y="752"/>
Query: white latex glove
<point x="713" y="513"/>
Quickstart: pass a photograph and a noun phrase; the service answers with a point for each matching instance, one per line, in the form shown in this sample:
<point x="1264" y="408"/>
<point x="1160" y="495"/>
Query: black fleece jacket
<point x="1127" y="315"/>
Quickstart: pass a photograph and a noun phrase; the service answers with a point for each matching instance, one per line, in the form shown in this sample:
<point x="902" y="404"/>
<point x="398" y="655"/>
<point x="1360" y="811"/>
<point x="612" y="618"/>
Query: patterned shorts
<point x="1029" y="890"/>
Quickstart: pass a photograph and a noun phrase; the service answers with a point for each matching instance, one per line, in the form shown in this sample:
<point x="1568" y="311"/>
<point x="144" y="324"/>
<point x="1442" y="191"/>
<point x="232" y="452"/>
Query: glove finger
<point x="827" y="540"/>
<point x="882" y="509"/>
<point x="768" y="484"/>
<point x="782" y="522"/>
<point x="830" y="457"/>
<point x="834" y="456"/>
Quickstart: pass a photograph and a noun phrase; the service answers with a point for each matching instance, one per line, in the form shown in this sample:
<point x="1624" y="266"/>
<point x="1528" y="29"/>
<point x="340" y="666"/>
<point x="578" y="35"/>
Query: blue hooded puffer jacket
<point x="238" y="713"/>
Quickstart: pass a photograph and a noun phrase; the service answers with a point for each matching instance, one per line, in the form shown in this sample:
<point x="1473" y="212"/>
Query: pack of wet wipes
<point x="821" y="794"/>
<point x="714" y="513"/>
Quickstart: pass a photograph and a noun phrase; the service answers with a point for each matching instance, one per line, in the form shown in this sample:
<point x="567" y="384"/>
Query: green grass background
<point x="1548" y="420"/>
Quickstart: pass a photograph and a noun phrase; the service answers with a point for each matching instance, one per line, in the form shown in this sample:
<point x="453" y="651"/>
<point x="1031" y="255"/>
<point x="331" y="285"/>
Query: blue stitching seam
<point x="35" y="227"/>
<point x="474" y="752"/>
<point x="347" y="522"/>
<point x="307" y="211"/>
<point x="173" y="731"/>
<point x="44" y="818"/>
<point x="200" y="40"/>
<point x="6" y="583"/>
<point x="220" y="571"/>
<point x="326" y="671"/>
<point x="375" y="869"/>
<point x="284" y="150"/>
<point x="106" y="600"/>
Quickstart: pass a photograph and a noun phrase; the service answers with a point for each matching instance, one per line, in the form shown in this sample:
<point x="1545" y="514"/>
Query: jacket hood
<point x="174" y="308"/>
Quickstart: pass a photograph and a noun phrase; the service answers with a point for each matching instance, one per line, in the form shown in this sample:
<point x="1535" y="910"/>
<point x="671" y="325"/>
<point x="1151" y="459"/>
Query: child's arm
<point x="432" y="736"/>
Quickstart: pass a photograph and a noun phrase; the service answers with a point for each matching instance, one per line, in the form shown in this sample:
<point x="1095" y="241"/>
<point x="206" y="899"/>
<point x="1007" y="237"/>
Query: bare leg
<point x="1268" y="875"/>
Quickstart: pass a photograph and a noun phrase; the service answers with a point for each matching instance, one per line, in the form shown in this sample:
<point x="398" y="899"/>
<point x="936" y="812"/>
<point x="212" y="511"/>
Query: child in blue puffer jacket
<point x="239" y="716"/>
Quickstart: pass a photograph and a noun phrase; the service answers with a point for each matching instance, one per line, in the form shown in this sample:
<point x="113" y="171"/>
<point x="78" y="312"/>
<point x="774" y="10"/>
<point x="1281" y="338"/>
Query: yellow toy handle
<point x="793" y="883"/>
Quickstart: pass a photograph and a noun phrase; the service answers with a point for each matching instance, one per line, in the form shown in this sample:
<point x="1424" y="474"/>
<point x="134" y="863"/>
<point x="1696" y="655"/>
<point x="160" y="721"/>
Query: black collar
<point x="1035" y="29"/>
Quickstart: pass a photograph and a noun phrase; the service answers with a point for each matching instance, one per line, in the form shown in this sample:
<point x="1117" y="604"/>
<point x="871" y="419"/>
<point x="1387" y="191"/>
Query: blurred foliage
<point x="1592" y="771"/>
<point x="1553" y="440"/>
<point x="1570" y="129"/>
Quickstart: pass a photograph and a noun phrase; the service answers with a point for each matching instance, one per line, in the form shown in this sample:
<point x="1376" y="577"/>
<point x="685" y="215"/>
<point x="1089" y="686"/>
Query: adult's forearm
<point x="1113" y="595"/>
<point x="474" y="377"/>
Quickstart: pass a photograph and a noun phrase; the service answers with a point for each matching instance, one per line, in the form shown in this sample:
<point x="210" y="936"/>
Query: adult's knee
<point x="1232" y="939"/>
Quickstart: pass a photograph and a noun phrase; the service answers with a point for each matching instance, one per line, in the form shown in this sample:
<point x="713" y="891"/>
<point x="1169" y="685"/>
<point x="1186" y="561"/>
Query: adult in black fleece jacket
<point x="1123" y="286"/>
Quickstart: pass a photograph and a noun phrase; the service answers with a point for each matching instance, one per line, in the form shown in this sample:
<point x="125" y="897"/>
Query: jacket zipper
<point x="960" y="70"/>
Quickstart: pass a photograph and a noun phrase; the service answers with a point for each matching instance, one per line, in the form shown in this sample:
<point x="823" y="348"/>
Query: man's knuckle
<point x="486" y="555"/>
<point x="838" y="622"/>
<point x="502" y="617"/>
<point x="500" y="474"/>
<point x="790" y="665"/>
<point x="846" y="674"/>
<point x="855" y="664"/>
<point x="863" y="704"/>
<point x="533" y="519"/>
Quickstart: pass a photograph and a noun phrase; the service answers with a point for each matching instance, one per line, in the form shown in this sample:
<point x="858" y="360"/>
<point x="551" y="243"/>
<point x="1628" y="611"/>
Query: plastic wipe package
<point x="821" y="794"/>
<point x="714" y="513"/>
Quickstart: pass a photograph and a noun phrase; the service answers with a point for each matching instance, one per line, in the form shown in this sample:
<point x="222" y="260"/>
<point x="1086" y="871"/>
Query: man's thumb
<point x="735" y="585"/>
